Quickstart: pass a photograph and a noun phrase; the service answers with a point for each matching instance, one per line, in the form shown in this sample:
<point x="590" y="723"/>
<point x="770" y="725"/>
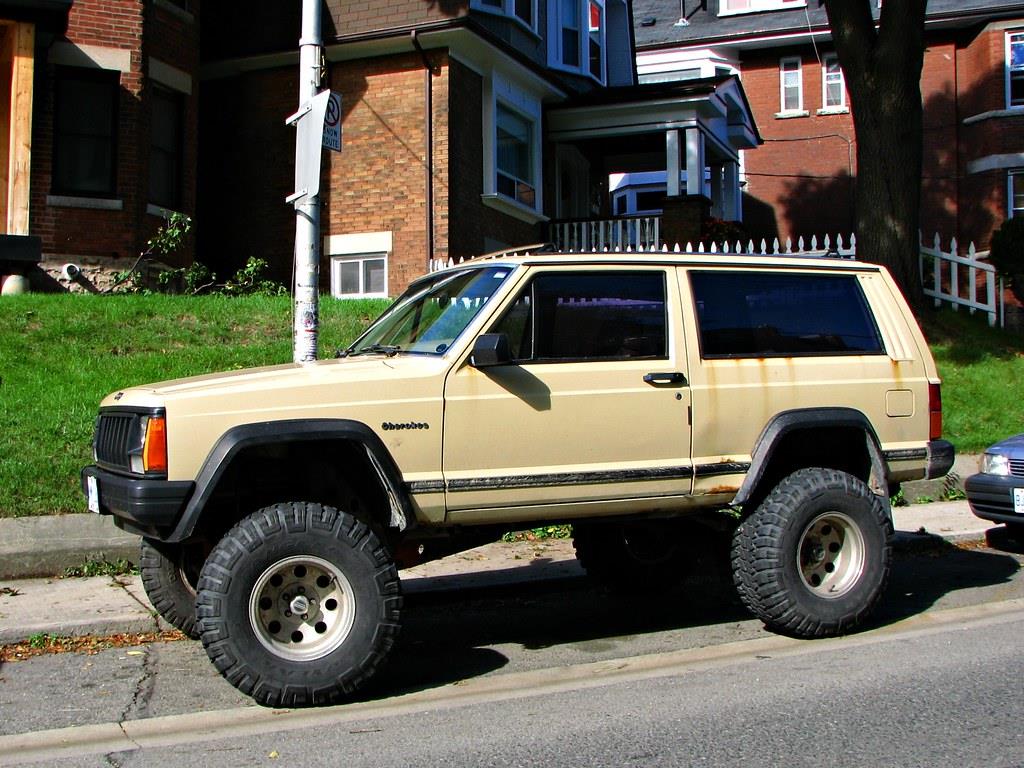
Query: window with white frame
<point x="522" y="10"/>
<point x="1015" y="69"/>
<point x="729" y="7"/>
<point x="577" y="36"/>
<point x="1016" y="193"/>
<point x="791" y="85"/>
<point x="833" y="85"/>
<point x="359" y="275"/>
<point x="514" y="148"/>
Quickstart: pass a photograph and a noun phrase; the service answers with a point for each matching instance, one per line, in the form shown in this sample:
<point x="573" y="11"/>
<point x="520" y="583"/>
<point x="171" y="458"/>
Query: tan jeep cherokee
<point x="651" y="400"/>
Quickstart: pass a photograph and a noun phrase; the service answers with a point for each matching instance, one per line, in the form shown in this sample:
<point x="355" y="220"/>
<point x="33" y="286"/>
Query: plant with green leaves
<point x="1007" y="254"/>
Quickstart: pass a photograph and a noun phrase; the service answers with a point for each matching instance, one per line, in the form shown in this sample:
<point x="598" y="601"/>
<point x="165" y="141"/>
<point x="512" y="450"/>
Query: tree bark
<point x="882" y="66"/>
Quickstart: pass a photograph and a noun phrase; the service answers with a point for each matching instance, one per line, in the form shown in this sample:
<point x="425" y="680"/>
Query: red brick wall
<point x="80" y="233"/>
<point x="983" y="201"/>
<point x="802" y="172"/>
<point x="346" y="17"/>
<point x="799" y="177"/>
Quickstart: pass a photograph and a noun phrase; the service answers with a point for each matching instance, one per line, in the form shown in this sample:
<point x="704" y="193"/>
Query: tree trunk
<point x="882" y="67"/>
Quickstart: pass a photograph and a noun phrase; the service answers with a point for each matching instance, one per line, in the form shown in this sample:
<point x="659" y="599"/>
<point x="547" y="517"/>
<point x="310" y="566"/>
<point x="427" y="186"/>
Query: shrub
<point x="1007" y="254"/>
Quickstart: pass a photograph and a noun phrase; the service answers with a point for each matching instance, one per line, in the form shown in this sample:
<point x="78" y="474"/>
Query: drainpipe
<point x="428" y="132"/>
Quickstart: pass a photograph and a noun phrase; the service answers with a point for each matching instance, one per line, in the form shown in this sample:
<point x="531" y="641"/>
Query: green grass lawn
<point x="61" y="354"/>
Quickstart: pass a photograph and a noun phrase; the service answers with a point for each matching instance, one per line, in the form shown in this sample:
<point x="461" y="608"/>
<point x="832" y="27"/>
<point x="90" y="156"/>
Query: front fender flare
<point x="245" y="436"/>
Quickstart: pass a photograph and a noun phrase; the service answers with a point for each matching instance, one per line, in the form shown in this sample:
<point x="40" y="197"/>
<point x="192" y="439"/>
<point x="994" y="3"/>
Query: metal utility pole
<point x="307" y="201"/>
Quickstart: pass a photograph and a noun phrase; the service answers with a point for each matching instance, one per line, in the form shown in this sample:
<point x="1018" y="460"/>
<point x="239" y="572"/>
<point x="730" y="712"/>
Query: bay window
<point x="514" y="147"/>
<point x="1015" y="69"/>
<point x="577" y="32"/>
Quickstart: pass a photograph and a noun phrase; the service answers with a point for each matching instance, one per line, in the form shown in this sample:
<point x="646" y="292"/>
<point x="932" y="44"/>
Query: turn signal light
<point x="154" y="450"/>
<point x="934" y="412"/>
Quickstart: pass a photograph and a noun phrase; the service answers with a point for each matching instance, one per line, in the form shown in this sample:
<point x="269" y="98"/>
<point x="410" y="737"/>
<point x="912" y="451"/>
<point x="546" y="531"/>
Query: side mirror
<point x="490" y="349"/>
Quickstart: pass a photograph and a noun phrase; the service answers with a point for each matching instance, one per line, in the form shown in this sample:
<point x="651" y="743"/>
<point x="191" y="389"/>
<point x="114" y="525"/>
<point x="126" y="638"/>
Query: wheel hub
<point x="302" y="608"/>
<point x="831" y="552"/>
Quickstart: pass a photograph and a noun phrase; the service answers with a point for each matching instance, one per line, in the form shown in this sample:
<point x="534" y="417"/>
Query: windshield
<point x="431" y="314"/>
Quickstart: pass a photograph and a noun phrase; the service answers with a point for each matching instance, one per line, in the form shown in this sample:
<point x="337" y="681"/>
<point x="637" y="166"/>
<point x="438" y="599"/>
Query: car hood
<point x="1012" y="447"/>
<point x="278" y="381"/>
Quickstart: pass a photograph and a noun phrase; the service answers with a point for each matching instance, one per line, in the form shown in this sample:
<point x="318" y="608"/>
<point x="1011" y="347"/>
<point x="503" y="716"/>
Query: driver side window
<point x="581" y="316"/>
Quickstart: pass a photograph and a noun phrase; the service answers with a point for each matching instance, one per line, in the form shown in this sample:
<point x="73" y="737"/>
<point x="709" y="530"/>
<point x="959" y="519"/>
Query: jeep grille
<point x="116" y="435"/>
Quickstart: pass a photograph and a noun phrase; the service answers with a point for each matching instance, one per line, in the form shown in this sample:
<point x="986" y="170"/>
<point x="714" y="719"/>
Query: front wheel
<point x="299" y="605"/>
<point x="813" y="559"/>
<point x="170" y="573"/>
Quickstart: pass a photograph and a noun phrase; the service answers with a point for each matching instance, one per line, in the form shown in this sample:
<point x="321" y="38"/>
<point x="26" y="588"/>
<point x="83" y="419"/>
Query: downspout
<point x="428" y="132"/>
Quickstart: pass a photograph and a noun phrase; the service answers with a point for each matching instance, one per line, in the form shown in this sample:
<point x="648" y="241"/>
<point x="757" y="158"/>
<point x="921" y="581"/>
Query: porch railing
<point x="635" y="232"/>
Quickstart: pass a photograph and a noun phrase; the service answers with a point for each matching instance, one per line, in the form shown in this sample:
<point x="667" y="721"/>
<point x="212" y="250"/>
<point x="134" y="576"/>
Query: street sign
<point x="332" y="122"/>
<point x="319" y="125"/>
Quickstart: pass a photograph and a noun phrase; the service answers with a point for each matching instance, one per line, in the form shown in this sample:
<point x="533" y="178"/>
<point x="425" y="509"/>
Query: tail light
<point x="934" y="411"/>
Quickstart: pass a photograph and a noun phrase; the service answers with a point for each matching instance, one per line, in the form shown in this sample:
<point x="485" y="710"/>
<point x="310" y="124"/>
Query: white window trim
<point x="359" y="247"/>
<point x="759" y="6"/>
<point x="1013" y="178"/>
<point x="555" y="40"/>
<point x="1009" y="34"/>
<point x="508" y="11"/>
<point x="799" y="111"/>
<point x="498" y="89"/>
<point x="842" y="106"/>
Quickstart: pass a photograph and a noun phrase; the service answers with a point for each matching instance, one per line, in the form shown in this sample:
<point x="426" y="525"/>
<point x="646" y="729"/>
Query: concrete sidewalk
<point x="111" y="605"/>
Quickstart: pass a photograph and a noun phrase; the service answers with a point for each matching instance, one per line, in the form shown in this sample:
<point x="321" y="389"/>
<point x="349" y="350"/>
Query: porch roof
<point x="716" y="105"/>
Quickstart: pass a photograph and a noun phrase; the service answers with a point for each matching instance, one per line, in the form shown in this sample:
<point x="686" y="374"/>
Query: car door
<point x="591" y="414"/>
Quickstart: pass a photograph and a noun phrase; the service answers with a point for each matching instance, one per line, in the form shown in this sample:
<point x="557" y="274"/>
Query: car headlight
<point x="995" y="464"/>
<point x="151" y="455"/>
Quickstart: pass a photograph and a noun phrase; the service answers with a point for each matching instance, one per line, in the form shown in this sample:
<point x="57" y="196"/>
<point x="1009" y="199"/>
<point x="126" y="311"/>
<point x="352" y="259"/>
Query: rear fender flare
<point x="787" y="422"/>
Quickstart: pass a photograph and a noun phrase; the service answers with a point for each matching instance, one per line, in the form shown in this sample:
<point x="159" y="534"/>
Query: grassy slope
<point x="59" y="355"/>
<point x="982" y="373"/>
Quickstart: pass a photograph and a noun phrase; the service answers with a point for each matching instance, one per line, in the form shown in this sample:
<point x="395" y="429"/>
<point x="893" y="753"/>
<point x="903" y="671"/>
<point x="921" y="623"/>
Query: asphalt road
<point x="566" y="674"/>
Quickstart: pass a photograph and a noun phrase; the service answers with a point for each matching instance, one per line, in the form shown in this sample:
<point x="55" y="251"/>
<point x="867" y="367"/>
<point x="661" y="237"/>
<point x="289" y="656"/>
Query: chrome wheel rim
<point x="302" y="608"/>
<point x="831" y="552"/>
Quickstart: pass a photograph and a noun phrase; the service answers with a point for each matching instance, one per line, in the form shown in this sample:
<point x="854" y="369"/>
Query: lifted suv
<point x="638" y="397"/>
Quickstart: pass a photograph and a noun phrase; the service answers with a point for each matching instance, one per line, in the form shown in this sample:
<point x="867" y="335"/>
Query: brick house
<point x="800" y="182"/>
<point x="468" y="126"/>
<point x="101" y="125"/>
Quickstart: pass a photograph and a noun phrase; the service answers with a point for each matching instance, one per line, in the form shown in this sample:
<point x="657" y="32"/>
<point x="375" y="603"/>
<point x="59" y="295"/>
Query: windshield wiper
<point x="389" y="350"/>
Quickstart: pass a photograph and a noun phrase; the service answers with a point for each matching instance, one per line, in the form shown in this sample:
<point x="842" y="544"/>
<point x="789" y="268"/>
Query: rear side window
<point x="583" y="316"/>
<point x="773" y="314"/>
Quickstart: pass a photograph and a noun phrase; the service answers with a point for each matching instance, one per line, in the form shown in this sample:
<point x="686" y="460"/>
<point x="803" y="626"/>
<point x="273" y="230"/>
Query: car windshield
<point x="431" y="314"/>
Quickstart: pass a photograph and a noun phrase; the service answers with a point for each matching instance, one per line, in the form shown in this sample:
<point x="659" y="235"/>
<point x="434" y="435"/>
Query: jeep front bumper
<point x="147" y="506"/>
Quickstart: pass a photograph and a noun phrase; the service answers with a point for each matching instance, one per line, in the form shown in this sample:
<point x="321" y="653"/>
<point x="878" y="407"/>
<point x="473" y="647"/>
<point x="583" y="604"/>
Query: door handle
<point x="670" y="377"/>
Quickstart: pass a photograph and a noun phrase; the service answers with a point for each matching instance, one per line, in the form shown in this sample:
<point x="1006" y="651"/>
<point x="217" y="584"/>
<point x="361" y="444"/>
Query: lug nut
<point x="288" y="614"/>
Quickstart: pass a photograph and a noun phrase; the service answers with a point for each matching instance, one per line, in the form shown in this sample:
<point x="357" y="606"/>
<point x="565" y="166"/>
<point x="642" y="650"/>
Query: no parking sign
<point x="332" y="122"/>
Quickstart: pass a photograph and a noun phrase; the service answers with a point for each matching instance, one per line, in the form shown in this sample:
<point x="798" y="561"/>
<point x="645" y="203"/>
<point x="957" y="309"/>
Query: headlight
<point x="153" y="456"/>
<point x="995" y="464"/>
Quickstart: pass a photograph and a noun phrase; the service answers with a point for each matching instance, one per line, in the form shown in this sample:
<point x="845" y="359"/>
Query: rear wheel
<point x="170" y="573"/>
<point x="299" y="605"/>
<point x="813" y="559"/>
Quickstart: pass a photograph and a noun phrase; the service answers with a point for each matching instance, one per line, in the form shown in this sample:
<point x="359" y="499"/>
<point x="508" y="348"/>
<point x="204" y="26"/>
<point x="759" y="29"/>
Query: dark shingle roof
<point x="708" y="27"/>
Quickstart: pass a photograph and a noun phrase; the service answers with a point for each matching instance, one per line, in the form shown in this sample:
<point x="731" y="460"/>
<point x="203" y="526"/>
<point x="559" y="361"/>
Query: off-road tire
<point x="649" y="557"/>
<point x="169" y="576"/>
<point x="244" y="592"/>
<point x="815" y="518"/>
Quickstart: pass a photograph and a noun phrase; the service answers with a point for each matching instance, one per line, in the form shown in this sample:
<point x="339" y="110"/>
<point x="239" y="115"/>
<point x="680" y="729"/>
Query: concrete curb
<point x="48" y="545"/>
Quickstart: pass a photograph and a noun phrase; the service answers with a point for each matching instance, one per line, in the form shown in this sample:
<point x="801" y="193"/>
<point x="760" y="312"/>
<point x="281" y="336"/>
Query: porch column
<point x="732" y="210"/>
<point x="694" y="162"/>
<point x="717" y="199"/>
<point x="673" y="162"/>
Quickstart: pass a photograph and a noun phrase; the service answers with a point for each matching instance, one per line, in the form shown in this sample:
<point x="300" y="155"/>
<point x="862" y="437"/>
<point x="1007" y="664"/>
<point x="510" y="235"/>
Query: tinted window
<point x="765" y="314"/>
<point x="85" y="123"/>
<point x="588" y="316"/>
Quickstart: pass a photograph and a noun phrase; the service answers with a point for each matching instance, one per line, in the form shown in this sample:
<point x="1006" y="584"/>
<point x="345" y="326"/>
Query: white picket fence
<point x="958" y="280"/>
